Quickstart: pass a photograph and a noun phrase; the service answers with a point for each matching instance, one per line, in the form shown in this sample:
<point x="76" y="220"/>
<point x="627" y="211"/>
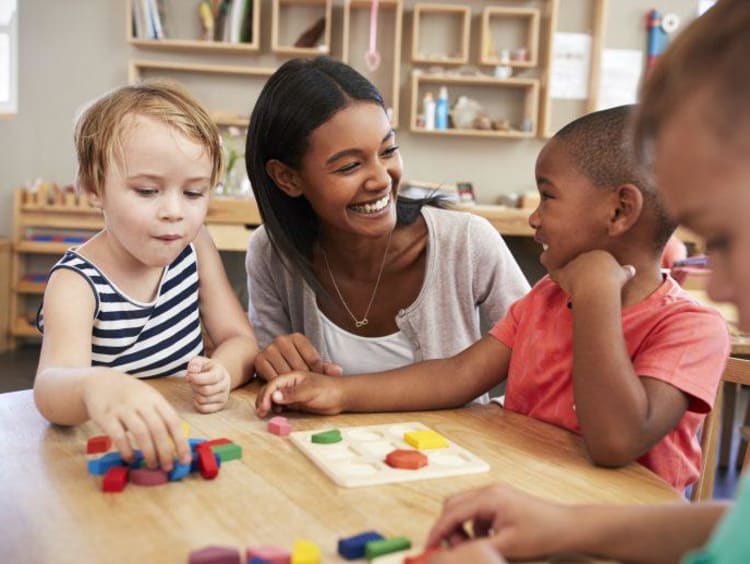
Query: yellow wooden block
<point x="305" y="552"/>
<point x="186" y="429"/>
<point x="425" y="439"/>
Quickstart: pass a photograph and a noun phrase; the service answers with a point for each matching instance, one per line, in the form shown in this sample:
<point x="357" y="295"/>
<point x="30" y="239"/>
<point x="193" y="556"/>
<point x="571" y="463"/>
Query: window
<point x="8" y="57"/>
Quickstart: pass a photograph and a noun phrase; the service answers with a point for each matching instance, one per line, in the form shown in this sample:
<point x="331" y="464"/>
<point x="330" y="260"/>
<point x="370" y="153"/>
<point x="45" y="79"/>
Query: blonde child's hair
<point x="99" y="128"/>
<point x="711" y="56"/>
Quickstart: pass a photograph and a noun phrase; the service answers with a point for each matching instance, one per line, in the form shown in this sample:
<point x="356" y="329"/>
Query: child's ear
<point x="285" y="177"/>
<point x="93" y="197"/>
<point x="627" y="211"/>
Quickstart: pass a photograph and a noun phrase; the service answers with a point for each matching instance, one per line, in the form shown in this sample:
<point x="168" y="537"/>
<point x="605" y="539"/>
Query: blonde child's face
<point x="155" y="195"/>
<point x="705" y="182"/>
<point x="572" y="214"/>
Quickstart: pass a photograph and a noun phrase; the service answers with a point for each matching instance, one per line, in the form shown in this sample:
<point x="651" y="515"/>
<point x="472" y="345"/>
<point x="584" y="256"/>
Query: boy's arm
<point x="621" y="415"/>
<point x="222" y="315"/>
<point x="432" y="384"/>
<point x="69" y="391"/>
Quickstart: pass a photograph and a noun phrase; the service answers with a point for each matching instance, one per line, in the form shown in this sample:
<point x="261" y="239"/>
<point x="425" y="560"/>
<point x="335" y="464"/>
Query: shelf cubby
<point x="512" y="29"/>
<point x="292" y="19"/>
<point x="433" y="25"/>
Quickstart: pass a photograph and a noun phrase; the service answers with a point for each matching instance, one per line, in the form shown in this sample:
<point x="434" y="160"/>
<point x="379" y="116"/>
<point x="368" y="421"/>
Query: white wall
<point x="73" y="50"/>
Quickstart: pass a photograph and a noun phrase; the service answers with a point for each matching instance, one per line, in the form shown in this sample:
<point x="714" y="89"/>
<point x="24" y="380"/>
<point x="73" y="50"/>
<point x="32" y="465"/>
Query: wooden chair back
<point x="737" y="371"/>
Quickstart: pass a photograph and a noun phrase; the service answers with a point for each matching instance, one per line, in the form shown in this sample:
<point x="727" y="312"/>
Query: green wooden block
<point x="376" y="548"/>
<point x="228" y="452"/>
<point x="327" y="437"/>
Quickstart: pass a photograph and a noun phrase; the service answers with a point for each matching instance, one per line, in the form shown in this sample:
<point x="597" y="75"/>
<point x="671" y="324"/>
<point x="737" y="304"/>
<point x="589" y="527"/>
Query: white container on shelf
<point x="428" y="108"/>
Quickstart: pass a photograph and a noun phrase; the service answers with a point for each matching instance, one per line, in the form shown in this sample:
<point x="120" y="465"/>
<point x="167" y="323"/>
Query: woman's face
<point x="705" y="182"/>
<point x="351" y="172"/>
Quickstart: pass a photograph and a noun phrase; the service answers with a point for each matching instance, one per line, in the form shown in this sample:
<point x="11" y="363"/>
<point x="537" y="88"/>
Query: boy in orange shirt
<point x="604" y="346"/>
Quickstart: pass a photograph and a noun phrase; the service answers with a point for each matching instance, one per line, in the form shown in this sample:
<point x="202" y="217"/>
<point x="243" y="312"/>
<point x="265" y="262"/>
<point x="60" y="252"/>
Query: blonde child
<point x="604" y="346"/>
<point x="129" y="303"/>
<point x="695" y="121"/>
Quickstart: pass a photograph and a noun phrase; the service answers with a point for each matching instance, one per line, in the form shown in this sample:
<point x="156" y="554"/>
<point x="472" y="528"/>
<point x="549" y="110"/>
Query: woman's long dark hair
<point x="299" y="97"/>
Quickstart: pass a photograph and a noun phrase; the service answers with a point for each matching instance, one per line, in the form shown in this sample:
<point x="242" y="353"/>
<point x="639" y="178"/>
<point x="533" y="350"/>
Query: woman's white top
<point x="360" y="355"/>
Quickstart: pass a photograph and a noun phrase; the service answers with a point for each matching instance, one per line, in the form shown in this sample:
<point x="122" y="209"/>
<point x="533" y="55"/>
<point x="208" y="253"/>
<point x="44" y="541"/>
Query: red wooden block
<point x="102" y="443"/>
<point x="423" y="558"/>
<point x="214" y="442"/>
<point x="148" y="477"/>
<point x="206" y="461"/>
<point x="279" y="426"/>
<point x="406" y="459"/>
<point x="115" y="479"/>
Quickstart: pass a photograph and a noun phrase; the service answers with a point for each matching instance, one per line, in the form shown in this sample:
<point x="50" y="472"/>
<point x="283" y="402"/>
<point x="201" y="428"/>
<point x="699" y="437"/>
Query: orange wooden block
<point x="406" y="459"/>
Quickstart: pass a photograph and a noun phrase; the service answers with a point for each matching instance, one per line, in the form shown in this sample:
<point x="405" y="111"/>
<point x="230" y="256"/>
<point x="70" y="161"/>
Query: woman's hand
<point x="210" y="383"/>
<point x="121" y="404"/>
<point x="303" y="391"/>
<point x="291" y="352"/>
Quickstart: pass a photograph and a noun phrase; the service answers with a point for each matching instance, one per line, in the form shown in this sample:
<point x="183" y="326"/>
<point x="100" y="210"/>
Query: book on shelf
<point x="148" y="16"/>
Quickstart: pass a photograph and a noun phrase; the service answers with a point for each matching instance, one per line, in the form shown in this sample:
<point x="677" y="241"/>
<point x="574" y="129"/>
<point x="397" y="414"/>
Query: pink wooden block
<point x="269" y="554"/>
<point x="148" y="477"/>
<point x="279" y="426"/>
<point x="215" y="555"/>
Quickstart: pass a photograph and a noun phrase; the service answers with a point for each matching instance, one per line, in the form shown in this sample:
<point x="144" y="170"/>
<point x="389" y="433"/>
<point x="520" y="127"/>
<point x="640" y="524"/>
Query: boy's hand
<point x="292" y="352"/>
<point x="515" y="524"/>
<point x="210" y="382"/>
<point x="590" y="271"/>
<point x="304" y="391"/>
<point x="121" y="404"/>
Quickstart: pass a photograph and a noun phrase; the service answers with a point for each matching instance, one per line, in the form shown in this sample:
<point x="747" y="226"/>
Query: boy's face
<point x="572" y="216"/>
<point x="155" y="195"/>
<point x="705" y="183"/>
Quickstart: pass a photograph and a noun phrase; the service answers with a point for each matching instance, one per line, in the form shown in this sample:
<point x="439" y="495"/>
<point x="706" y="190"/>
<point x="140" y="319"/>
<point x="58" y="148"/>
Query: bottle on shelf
<point x="441" y="109"/>
<point x="428" y="107"/>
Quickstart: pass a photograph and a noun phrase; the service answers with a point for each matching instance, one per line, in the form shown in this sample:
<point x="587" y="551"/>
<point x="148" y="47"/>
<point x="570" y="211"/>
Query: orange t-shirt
<point x="669" y="336"/>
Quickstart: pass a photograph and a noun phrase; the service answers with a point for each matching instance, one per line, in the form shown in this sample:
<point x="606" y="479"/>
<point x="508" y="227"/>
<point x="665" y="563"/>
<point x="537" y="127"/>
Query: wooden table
<point x="51" y="510"/>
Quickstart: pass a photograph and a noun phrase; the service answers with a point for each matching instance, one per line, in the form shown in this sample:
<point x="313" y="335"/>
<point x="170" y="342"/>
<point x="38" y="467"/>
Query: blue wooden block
<point x="354" y="547"/>
<point x="194" y="442"/>
<point x="99" y="466"/>
<point x="137" y="461"/>
<point x="179" y="471"/>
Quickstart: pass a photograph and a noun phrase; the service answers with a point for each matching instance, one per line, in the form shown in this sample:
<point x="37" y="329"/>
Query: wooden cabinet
<point x="48" y="221"/>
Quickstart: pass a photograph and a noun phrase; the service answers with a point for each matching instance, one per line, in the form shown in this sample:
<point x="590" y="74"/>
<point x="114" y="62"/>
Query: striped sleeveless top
<point x="146" y="340"/>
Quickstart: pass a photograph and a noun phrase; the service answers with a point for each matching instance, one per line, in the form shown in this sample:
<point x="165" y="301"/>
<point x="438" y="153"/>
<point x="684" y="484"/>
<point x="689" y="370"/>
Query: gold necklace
<point x="364" y="321"/>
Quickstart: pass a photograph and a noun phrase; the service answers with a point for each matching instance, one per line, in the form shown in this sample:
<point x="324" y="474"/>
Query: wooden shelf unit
<point x="529" y="87"/>
<point x="196" y="45"/>
<point x="229" y="220"/>
<point x="489" y="52"/>
<point x="323" y="6"/>
<point x="462" y="16"/>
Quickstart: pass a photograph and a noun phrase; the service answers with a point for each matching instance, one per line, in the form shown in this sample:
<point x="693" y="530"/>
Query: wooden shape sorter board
<point x="359" y="458"/>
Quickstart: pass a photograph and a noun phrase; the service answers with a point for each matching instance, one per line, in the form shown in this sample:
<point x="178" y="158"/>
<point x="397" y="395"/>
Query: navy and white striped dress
<point x="146" y="340"/>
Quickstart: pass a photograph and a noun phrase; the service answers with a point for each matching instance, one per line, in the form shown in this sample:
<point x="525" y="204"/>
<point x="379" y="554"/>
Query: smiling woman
<point x="345" y="275"/>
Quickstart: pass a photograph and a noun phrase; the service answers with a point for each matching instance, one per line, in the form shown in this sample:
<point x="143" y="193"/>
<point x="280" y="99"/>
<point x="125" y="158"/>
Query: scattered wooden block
<point x="422" y="558"/>
<point x="406" y="459"/>
<point x="267" y="554"/>
<point x="228" y="452"/>
<point x="425" y="439"/>
<point x="99" y="466"/>
<point x="327" y="437"/>
<point x="207" y="464"/>
<point x="115" y="479"/>
<point x="279" y="426"/>
<point x="179" y="471"/>
<point x="148" y="476"/>
<point x="215" y="555"/>
<point x="376" y="548"/>
<point x="101" y="443"/>
<point x="305" y="552"/>
<point x="352" y="548"/>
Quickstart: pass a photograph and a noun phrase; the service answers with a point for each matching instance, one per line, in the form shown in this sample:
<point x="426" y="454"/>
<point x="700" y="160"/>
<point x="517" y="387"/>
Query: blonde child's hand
<point x="120" y="404"/>
<point x="590" y="271"/>
<point x="210" y="383"/>
<point x="514" y="524"/>
<point x="303" y="391"/>
<point x="288" y="353"/>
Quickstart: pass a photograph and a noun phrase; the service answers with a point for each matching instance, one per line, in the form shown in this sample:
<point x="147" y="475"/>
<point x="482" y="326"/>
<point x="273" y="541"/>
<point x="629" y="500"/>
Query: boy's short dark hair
<point x="600" y="146"/>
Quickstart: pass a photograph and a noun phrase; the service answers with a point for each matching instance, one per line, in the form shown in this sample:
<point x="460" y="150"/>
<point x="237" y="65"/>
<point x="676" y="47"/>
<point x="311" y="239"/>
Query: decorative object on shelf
<point x="441" y="109"/>
<point x="372" y="57"/>
<point x="311" y="36"/>
<point x="504" y="70"/>
<point x="235" y="183"/>
<point x="465" y="112"/>
<point x="428" y="107"/>
<point x="207" y="20"/>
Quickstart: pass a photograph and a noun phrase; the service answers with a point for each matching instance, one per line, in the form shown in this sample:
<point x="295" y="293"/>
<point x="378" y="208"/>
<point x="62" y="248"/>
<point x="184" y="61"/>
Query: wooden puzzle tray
<point x="359" y="458"/>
